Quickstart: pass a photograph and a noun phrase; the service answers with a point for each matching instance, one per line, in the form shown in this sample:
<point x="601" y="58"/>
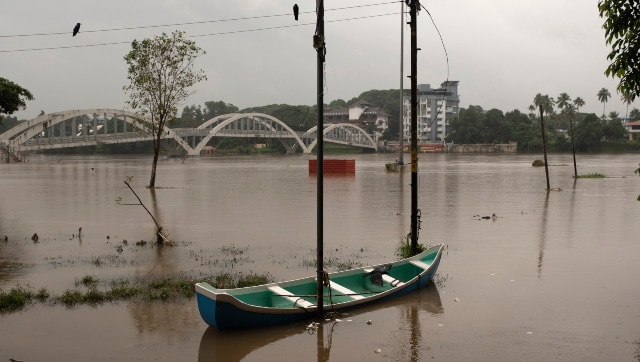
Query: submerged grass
<point x="591" y="175"/>
<point x="87" y="290"/>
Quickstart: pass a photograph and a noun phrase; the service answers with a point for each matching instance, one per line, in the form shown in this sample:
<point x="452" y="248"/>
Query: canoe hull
<point x="291" y="301"/>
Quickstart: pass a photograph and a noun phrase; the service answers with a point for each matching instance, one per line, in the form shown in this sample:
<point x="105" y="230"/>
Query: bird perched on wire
<point x="295" y="11"/>
<point x="375" y="276"/>
<point x="76" y="29"/>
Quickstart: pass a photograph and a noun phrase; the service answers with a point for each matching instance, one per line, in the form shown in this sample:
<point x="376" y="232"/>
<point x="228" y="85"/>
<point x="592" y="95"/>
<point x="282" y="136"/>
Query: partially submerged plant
<point x="404" y="250"/>
<point x="591" y="175"/>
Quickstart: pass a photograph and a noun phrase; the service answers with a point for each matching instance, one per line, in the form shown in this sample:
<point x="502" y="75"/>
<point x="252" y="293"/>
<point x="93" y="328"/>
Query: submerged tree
<point x="160" y="74"/>
<point x="545" y="105"/>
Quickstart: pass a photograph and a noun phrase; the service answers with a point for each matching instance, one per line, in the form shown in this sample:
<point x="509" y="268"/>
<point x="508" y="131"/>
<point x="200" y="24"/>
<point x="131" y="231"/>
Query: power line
<point x="199" y="35"/>
<point x="189" y="23"/>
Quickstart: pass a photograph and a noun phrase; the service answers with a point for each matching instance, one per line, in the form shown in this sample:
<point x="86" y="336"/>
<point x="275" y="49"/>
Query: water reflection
<point x="543" y="233"/>
<point x="293" y="340"/>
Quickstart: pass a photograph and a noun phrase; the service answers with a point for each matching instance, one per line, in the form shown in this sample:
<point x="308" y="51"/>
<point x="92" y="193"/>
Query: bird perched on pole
<point x="295" y="11"/>
<point x="76" y="29"/>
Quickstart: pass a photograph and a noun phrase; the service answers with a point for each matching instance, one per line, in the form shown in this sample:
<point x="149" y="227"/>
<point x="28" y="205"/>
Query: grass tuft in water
<point x="591" y="175"/>
<point x="16" y="299"/>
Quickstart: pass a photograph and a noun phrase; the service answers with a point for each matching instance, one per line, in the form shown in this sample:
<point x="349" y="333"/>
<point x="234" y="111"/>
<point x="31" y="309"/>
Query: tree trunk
<point x="156" y="153"/>
<point x="544" y="147"/>
<point x="573" y="147"/>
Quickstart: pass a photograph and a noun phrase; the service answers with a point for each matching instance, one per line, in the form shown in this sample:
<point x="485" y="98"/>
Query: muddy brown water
<point x="554" y="277"/>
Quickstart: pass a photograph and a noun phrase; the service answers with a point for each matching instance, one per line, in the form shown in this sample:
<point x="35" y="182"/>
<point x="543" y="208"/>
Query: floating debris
<point x="377" y="350"/>
<point x="35" y="237"/>
<point x="369" y="322"/>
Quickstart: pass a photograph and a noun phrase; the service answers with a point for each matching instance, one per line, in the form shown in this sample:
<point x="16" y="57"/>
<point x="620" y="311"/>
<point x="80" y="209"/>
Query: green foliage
<point x="622" y="32"/>
<point x="16" y="299"/>
<point x="12" y="97"/>
<point x="404" y="250"/>
<point x="160" y="72"/>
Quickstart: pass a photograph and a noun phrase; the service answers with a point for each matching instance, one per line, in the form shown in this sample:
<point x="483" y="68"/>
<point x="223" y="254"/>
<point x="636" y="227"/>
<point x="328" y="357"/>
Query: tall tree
<point x="12" y="97"/>
<point x="563" y="100"/>
<point x="603" y="96"/>
<point x="626" y="99"/>
<point x="578" y="102"/>
<point x="568" y="109"/>
<point x="545" y="105"/>
<point x="622" y="32"/>
<point x="161" y="72"/>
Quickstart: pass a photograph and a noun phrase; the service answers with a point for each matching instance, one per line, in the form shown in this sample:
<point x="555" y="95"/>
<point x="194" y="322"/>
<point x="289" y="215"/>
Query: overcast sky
<point x="503" y="52"/>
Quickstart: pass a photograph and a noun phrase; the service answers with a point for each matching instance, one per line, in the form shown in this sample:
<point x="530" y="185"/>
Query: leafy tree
<point x="338" y="103"/>
<point x="12" y="97"/>
<point x="622" y="32"/>
<point x="589" y="132"/>
<point x="635" y="113"/>
<point x="219" y="108"/>
<point x="160" y="74"/>
<point x="603" y="96"/>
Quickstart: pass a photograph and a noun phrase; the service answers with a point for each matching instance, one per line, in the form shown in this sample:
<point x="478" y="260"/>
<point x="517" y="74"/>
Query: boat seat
<point x="297" y="301"/>
<point x="388" y="278"/>
<point x="420" y="264"/>
<point x="346" y="291"/>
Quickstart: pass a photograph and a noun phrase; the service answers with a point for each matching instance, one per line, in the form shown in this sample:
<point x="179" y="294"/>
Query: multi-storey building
<point x="436" y="107"/>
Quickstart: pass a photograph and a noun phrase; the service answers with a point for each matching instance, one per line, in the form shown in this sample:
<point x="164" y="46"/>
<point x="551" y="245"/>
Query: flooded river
<point x="553" y="278"/>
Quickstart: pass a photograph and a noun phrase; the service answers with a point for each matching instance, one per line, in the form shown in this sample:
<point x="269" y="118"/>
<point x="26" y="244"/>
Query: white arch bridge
<point x="75" y="128"/>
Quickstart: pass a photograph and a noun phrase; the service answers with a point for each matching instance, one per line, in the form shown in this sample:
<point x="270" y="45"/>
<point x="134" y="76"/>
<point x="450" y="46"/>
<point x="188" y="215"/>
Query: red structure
<point x="334" y="166"/>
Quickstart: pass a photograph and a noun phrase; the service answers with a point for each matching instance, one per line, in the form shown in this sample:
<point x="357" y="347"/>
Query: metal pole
<point x="319" y="45"/>
<point x="415" y="4"/>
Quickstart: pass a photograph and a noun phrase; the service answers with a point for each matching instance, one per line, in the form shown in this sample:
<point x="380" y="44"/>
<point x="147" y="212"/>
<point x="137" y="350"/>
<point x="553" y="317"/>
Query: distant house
<point x="361" y="114"/>
<point x="634" y="130"/>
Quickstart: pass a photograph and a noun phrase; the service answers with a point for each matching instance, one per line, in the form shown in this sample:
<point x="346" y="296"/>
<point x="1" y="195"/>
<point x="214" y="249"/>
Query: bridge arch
<point x="17" y="136"/>
<point x="261" y="125"/>
<point x="342" y="133"/>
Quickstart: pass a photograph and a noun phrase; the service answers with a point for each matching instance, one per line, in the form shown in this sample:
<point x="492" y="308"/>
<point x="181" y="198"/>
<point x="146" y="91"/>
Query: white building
<point x="436" y="107"/>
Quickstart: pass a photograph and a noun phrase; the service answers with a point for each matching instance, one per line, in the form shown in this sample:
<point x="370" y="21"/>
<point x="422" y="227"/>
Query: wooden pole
<point x="319" y="45"/>
<point x="414" y="126"/>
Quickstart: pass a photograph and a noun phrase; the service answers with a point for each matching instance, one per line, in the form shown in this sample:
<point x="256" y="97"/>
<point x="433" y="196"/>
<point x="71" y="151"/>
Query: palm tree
<point x="563" y="100"/>
<point x="570" y="110"/>
<point x="626" y="99"/>
<point x="564" y="103"/>
<point x="578" y="102"/>
<point x="603" y="96"/>
<point x="545" y="105"/>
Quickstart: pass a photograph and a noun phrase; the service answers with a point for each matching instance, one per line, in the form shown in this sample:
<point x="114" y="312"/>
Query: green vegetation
<point x="404" y="250"/>
<point x="12" y="97"/>
<point x="88" y="292"/>
<point x="591" y="175"/>
<point x="160" y="71"/>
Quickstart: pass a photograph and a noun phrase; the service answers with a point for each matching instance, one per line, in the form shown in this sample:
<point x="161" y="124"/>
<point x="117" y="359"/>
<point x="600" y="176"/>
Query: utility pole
<point x="319" y="45"/>
<point x="414" y="5"/>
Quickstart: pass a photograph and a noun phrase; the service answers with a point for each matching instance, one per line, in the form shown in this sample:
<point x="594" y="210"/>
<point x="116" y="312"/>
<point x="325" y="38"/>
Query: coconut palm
<point x="570" y="110"/>
<point x="626" y="99"/>
<point x="578" y="102"/>
<point x="603" y="96"/>
<point x="545" y="105"/>
<point x="563" y="100"/>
